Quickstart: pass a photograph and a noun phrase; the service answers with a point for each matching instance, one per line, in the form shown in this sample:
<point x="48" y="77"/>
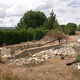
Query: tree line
<point x="33" y="26"/>
<point x="37" y="19"/>
<point x="10" y="37"/>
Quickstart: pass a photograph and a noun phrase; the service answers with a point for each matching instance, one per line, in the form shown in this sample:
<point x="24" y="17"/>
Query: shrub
<point x="78" y="58"/>
<point x="16" y="36"/>
<point x="70" y="29"/>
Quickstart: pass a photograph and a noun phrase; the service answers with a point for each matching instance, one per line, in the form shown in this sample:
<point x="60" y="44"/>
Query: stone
<point x="78" y="66"/>
<point x="45" y="57"/>
<point x="61" y="51"/>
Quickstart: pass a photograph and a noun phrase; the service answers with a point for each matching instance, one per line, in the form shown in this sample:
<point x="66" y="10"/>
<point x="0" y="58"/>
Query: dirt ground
<point x="52" y="69"/>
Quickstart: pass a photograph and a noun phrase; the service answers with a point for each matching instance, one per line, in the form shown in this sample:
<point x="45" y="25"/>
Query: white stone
<point x="45" y="57"/>
<point x="78" y="66"/>
<point x="78" y="40"/>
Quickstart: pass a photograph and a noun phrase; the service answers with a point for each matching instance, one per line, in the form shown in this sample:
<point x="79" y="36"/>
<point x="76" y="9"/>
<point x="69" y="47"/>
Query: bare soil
<point x="52" y="69"/>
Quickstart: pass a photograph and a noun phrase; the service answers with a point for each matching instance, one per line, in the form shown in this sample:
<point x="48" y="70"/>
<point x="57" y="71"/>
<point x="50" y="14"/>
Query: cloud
<point x="74" y="4"/>
<point x="14" y="9"/>
<point x="66" y="10"/>
<point x="1" y="21"/>
<point x="20" y="7"/>
<point x="11" y="21"/>
<point x="3" y="8"/>
<point x="45" y="5"/>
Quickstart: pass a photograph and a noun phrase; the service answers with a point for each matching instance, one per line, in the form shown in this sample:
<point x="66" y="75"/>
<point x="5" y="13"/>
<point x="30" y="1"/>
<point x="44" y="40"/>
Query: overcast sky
<point x="12" y="10"/>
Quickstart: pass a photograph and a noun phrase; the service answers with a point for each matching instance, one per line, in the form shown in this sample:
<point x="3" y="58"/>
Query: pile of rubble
<point x="60" y="51"/>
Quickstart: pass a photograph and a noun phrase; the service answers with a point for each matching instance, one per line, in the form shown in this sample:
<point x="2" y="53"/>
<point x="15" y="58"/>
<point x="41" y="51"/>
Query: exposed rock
<point x="61" y="51"/>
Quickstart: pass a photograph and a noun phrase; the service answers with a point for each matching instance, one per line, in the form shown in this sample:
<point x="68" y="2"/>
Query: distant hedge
<point x="16" y="36"/>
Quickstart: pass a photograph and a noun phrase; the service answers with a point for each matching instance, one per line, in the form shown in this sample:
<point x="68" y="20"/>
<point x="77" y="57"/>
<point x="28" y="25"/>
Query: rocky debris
<point x="62" y="56"/>
<point x="16" y="49"/>
<point x="60" y="51"/>
<point x="6" y="51"/>
<point x="24" y="46"/>
<point x="78" y="66"/>
<point x="65" y="51"/>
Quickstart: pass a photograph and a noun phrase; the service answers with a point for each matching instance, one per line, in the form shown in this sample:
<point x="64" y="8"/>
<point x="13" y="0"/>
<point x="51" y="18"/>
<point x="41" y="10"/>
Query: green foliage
<point x="33" y="26"/>
<point x="46" y="24"/>
<point x="32" y="19"/>
<point x="70" y="28"/>
<point x="2" y="39"/>
<point x="16" y="36"/>
<point x="78" y="28"/>
<point x="39" y="33"/>
<point x="51" y="21"/>
<point x="78" y="58"/>
<point x="62" y="27"/>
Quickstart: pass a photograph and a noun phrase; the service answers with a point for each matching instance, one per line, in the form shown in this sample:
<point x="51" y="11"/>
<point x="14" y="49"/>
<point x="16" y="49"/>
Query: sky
<point x="12" y="10"/>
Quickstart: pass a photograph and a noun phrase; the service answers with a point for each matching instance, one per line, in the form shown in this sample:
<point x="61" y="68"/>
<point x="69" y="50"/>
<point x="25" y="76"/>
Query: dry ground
<point x="52" y="69"/>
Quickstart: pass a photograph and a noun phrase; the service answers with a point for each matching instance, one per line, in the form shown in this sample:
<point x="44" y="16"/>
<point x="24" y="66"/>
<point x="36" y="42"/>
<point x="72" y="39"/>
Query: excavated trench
<point x="30" y="52"/>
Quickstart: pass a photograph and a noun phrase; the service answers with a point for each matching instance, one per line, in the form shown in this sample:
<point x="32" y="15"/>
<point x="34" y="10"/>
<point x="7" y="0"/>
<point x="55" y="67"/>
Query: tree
<point x="70" y="28"/>
<point x="78" y="28"/>
<point x="32" y="19"/>
<point x="51" y="19"/>
<point x="62" y="27"/>
<point x="51" y="22"/>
